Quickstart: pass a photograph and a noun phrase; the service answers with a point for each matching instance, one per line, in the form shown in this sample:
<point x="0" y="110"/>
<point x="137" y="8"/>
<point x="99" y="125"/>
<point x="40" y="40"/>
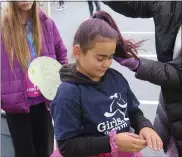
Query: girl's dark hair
<point x="101" y="27"/>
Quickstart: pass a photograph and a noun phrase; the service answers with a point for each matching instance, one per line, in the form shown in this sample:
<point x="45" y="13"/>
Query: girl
<point x="26" y="34"/>
<point x="94" y="107"/>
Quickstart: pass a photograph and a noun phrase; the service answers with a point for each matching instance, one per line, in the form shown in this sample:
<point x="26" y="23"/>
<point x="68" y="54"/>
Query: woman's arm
<point x="168" y="75"/>
<point x="133" y="9"/>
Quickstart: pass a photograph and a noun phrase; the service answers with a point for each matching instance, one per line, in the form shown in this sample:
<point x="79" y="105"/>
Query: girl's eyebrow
<point x="101" y="55"/>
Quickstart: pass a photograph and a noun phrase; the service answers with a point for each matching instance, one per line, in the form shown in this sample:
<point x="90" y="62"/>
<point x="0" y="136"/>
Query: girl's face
<point x="97" y="60"/>
<point x="24" y="6"/>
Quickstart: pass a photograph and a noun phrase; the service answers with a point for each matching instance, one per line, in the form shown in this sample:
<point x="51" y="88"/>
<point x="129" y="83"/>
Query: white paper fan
<point x="44" y="73"/>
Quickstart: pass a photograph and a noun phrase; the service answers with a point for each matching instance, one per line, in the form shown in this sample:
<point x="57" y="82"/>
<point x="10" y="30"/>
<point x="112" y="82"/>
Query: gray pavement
<point x="68" y="21"/>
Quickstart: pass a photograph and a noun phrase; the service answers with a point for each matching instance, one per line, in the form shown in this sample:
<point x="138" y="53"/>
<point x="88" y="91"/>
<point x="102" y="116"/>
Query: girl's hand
<point x="129" y="142"/>
<point x="152" y="138"/>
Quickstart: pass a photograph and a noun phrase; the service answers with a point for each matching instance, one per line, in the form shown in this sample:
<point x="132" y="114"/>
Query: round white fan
<point x="44" y="73"/>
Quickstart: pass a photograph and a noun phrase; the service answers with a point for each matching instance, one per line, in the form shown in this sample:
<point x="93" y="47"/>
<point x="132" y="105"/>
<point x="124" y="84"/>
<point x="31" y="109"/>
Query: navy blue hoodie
<point x="85" y="111"/>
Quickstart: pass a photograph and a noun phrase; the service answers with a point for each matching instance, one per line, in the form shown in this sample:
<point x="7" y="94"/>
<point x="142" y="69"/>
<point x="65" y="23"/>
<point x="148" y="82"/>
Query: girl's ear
<point x="77" y="52"/>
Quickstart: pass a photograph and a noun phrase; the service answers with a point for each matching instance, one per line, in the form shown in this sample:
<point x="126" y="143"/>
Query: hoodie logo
<point x="118" y="105"/>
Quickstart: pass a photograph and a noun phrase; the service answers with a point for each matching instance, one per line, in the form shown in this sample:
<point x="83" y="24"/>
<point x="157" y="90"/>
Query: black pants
<point x="61" y="3"/>
<point x="32" y="133"/>
<point x="91" y="7"/>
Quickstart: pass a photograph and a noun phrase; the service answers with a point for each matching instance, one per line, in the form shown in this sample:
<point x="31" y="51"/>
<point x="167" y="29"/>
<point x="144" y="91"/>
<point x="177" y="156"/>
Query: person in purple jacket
<point x="27" y="33"/>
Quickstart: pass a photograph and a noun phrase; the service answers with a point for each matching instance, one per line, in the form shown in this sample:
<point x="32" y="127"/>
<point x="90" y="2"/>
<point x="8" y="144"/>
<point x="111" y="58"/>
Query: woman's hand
<point x="130" y="63"/>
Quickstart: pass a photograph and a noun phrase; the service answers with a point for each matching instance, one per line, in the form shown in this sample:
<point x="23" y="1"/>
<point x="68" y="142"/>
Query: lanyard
<point x="30" y="40"/>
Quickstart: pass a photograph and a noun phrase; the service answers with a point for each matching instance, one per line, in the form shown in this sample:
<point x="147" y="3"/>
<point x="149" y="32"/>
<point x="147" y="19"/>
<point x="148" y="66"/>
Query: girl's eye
<point x="100" y="59"/>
